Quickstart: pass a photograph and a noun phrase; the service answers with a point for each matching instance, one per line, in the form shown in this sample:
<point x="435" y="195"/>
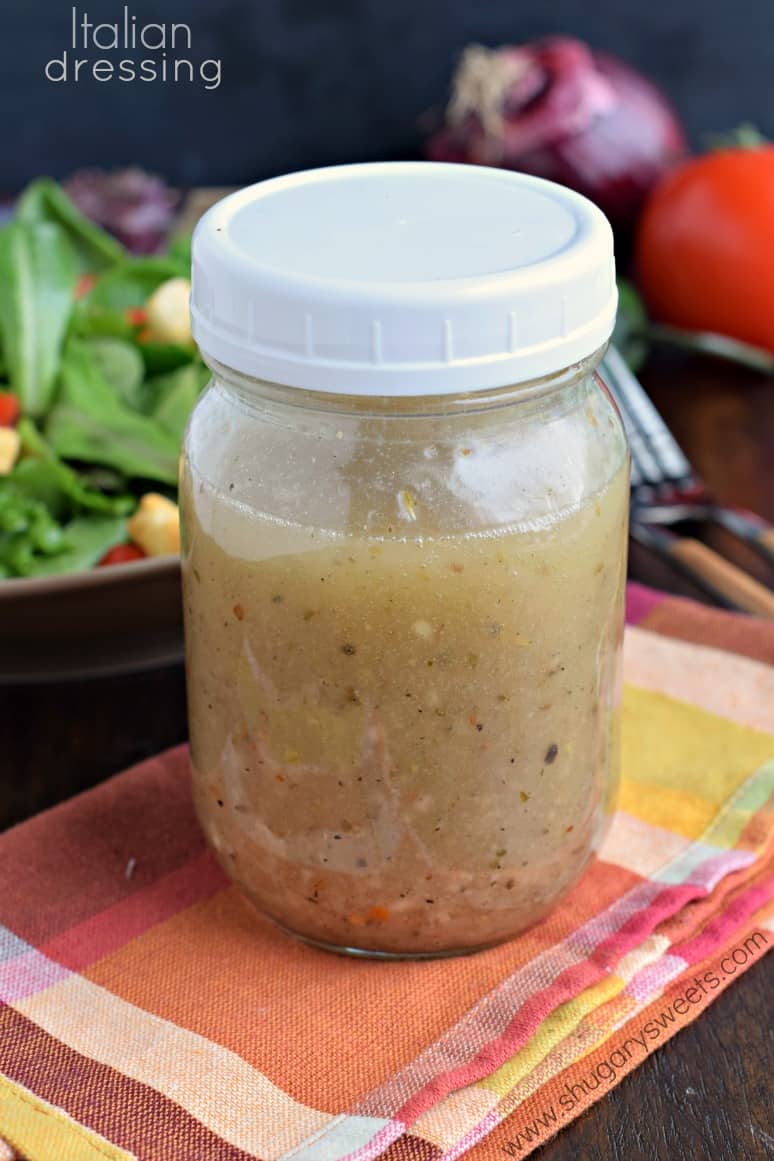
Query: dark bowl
<point x="119" y="619"/>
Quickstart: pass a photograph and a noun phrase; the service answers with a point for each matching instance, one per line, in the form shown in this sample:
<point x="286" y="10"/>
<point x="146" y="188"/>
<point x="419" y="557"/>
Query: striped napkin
<point x="146" y="1012"/>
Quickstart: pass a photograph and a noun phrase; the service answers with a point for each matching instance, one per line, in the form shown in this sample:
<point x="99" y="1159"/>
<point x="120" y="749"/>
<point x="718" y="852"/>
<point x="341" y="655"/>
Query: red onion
<point x="135" y="206"/>
<point x="557" y="109"/>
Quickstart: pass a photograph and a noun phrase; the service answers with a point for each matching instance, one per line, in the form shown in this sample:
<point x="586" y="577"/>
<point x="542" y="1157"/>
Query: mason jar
<point x="404" y="499"/>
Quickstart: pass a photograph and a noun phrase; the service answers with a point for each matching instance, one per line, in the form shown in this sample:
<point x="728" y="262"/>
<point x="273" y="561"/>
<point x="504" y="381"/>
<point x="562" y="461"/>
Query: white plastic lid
<point x="402" y="278"/>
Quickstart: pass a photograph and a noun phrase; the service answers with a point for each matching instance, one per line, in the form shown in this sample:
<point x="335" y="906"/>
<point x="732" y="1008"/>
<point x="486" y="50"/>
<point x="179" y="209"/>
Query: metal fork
<point x="667" y="491"/>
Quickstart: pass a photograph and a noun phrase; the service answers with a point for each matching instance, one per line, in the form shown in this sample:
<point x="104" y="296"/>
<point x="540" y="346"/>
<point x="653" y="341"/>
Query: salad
<point x="98" y="375"/>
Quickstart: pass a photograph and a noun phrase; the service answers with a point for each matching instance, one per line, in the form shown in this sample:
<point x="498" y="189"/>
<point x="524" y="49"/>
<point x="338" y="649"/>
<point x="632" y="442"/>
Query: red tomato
<point x="121" y="554"/>
<point x="705" y="243"/>
<point x="137" y="316"/>
<point x="9" y="409"/>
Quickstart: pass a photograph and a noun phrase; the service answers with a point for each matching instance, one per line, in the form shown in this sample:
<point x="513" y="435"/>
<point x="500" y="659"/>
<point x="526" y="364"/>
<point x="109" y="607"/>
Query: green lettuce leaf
<point x="91" y="422"/>
<point x="38" y="273"/>
<point x="45" y="201"/>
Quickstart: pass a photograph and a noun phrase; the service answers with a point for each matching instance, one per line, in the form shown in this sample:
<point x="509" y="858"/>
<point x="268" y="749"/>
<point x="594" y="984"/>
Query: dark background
<point x="309" y="82"/>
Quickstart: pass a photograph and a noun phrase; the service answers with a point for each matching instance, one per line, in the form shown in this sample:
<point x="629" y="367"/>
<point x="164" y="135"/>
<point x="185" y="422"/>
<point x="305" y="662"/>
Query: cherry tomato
<point x="137" y="316"/>
<point x="705" y="242"/>
<point x="122" y="554"/>
<point x="9" y="409"/>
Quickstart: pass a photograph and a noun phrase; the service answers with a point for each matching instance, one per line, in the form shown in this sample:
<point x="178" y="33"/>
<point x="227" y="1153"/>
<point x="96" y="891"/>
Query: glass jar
<point x="403" y="626"/>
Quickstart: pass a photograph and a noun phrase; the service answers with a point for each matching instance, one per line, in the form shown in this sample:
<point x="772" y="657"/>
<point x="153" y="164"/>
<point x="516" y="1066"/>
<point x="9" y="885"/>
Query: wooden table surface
<point x="704" y="1095"/>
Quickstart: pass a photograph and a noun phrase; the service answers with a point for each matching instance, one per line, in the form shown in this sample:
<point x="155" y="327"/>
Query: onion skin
<point x="558" y="110"/>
